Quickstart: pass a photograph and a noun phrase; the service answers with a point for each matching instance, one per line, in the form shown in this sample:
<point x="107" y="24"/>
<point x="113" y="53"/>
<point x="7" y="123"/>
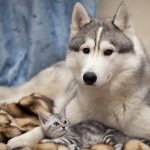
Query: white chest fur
<point x="115" y="111"/>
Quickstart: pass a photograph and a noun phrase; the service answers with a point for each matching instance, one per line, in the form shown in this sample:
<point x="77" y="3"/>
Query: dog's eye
<point x="56" y="123"/>
<point x="86" y="50"/>
<point x="108" y="52"/>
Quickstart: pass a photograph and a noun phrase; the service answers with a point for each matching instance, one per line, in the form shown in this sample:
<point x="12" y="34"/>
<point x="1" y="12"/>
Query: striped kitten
<point x="81" y="135"/>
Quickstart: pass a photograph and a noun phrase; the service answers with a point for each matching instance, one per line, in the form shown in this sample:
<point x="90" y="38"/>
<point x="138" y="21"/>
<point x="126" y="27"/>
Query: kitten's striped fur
<point x="81" y="135"/>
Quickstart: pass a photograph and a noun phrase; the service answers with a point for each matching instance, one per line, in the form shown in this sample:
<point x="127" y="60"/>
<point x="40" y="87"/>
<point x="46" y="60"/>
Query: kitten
<point x="81" y="135"/>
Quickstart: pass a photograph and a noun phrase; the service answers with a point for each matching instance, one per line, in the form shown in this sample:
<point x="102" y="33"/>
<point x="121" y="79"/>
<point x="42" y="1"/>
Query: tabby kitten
<point x="81" y="135"/>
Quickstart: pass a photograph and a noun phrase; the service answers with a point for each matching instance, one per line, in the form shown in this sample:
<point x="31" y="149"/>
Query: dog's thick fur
<point x="119" y="97"/>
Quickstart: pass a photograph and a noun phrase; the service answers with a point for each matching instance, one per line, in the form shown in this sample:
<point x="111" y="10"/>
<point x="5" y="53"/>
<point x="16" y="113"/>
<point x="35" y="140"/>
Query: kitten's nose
<point x="63" y="128"/>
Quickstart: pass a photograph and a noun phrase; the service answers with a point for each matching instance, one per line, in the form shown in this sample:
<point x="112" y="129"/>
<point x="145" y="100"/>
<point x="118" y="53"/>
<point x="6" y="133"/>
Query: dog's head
<point x="100" y="49"/>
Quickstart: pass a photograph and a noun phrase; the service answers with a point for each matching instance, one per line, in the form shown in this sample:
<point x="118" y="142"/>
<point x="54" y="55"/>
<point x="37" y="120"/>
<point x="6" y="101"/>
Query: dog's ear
<point x="80" y="17"/>
<point x="122" y="19"/>
<point x="43" y="118"/>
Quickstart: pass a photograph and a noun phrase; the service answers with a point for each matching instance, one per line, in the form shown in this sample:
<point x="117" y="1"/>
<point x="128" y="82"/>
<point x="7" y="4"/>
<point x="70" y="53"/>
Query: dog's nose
<point x="89" y="78"/>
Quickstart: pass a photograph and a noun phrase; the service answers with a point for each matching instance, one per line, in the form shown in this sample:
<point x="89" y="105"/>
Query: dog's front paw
<point x="16" y="143"/>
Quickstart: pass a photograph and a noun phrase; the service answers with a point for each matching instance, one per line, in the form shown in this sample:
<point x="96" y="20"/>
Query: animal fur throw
<point x="18" y="118"/>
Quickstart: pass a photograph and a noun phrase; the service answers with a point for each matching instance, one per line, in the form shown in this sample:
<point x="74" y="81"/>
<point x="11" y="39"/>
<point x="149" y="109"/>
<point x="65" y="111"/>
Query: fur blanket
<point x="18" y="118"/>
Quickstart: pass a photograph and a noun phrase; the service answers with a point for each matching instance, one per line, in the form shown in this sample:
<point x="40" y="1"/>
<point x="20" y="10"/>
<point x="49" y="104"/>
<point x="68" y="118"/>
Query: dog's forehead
<point x="89" y="30"/>
<point x="103" y="30"/>
<point x="116" y="37"/>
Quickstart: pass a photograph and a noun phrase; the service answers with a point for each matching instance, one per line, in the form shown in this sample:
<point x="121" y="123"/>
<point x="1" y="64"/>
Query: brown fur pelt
<point x="18" y="118"/>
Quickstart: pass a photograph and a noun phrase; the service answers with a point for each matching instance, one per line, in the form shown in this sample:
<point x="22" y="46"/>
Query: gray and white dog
<point x="112" y="75"/>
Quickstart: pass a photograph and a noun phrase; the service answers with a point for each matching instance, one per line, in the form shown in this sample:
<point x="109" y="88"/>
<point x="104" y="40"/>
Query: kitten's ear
<point x="123" y="19"/>
<point x="80" y="17"/>
<point x="43" y="118"/>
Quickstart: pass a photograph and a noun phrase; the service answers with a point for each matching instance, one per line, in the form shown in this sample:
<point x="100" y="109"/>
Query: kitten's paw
<point x="16" y="143"/>
<point x="118" y="146"/>
<point x="59" y="141"/>
<point x="73" y="147"/>
<point x="47" y="141"/>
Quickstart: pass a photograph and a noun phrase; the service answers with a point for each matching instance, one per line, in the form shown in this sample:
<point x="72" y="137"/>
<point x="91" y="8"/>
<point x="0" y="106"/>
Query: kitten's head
<point x="54" y="125"/>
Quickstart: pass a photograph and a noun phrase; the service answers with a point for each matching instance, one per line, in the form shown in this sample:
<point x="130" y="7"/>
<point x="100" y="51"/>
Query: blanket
<point x="33" y="35"/>
<point x="21" y="117"/>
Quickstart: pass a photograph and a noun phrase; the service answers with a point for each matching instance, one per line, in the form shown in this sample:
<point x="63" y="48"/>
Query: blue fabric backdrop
<point x="33" y="35"/>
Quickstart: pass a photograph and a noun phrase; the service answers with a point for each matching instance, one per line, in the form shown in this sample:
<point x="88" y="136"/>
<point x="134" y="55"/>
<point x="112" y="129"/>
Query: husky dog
<point x="111" y="69"/>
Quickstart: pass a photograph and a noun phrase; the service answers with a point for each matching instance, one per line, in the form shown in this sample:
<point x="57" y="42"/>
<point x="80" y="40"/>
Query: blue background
<point x="33" y="35"/>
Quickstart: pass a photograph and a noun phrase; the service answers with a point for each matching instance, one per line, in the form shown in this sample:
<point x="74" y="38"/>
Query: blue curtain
<point x="34" y="35"/>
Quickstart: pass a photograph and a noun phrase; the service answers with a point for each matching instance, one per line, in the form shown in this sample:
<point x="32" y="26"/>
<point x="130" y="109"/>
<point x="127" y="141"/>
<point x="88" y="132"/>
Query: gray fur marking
<point x="109" y="33"/>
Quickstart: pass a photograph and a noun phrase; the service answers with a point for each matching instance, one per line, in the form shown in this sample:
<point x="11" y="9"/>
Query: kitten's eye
<point x="86" y="50"/>
<point x="65" y="122"/>
<point x="56" y="123"/>
<point x="108" y="52"/>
